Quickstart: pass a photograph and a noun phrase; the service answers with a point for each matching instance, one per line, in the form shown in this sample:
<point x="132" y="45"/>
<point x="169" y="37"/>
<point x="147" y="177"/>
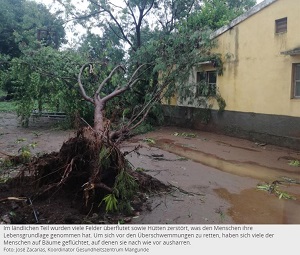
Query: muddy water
<point x="250" y="205"/>
<point x="227" y="174"/>
<point x="230" y="166"/>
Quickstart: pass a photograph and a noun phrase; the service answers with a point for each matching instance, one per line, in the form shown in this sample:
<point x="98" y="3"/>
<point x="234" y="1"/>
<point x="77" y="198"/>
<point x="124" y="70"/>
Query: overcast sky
<point x="47" y="2"/>
<point x="70" y="31"/>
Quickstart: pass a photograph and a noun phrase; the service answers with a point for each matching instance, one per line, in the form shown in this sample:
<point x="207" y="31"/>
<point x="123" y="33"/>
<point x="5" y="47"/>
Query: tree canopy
<point x="20" y="24"/>
<point x="168" y="36"/>
<point x="215" y="13"/>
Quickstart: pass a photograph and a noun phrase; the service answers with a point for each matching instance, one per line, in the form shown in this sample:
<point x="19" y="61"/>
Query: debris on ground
<point x="184" y="134"/>
<point x="273" y="188"/>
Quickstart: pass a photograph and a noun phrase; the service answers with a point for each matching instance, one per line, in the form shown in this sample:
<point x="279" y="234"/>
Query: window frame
<point x="281" y="25"/>
<point x="212" y="86"/>
<point x="294" y="80"/>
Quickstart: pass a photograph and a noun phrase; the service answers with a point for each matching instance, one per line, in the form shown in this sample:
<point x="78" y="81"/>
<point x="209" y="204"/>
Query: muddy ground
<point x="214" y="177"/>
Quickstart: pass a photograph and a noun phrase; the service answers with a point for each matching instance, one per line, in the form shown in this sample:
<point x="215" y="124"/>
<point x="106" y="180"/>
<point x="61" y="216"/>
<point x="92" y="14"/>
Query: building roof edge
<point x="255" y="9"/>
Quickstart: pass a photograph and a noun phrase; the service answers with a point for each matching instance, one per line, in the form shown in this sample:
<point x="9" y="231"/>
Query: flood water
<point x="231" y="171"/>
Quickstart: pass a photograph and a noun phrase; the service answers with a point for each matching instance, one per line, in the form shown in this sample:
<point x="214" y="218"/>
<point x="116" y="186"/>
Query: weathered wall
<point x="257" y="80"/>
<point x="265" y="128"/>
<point x="257" y="77"/>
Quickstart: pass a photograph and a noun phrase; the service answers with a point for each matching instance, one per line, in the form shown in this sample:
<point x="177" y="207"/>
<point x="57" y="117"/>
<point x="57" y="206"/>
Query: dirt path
<point x="45" y="132"/>
<point x="215" y="175"/>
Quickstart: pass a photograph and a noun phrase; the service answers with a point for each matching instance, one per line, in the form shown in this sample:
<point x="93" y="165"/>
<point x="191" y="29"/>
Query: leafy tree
<point x="45" y="79"/>
<point x="178" y="25"/>
<point x="241" y="6"/>
<point x="11" y="14"/>
<point x="21" y="24"/>
<point x="214" y="14"/>
<point x="20" y="21"/>
<point x="124" y="19"/>
<point x="169" y="12"/>
<point x="105" y="48"/>
<point x="175" y="42"/>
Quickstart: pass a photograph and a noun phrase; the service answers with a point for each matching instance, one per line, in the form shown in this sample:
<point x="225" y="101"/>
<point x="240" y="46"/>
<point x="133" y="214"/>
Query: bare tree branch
<point x="99" y="103"/>
<point x="82" y="17"/>
<point x="118" y="135"/>
<point x="117" y="6"/>
<point x="150" y="7"/>
<point x="119" y="91"/>
<point x="131" y="11"/>
<point x="145" y="110"/>
<point x="125" y="37"/>
<point x="141" y="120"/>
<point x="117" y="35"/>
<point x="82" y="90"/>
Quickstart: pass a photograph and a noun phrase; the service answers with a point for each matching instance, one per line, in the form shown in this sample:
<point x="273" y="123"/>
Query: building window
<point x="281" y="25"/>
<point x="296" y="81"/>
<point x="206" y="83"/>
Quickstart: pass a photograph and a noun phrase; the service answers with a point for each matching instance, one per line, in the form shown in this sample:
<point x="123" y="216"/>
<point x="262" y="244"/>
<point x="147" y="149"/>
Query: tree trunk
<point x="98" y="116"/>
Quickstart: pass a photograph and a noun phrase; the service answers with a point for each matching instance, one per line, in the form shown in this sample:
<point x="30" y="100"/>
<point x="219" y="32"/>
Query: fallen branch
<point x="13" y="198"/>
<point x="184" y="191"/>
<point x="136" y="148"/>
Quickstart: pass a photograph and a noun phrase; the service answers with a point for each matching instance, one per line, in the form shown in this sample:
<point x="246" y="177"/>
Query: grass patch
<point x="8" y="106"/>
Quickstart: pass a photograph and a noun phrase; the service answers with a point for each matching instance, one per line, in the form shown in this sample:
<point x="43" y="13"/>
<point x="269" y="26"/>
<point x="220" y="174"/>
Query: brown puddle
<point x="245" y="169"/>
<point x="249" y="206"/>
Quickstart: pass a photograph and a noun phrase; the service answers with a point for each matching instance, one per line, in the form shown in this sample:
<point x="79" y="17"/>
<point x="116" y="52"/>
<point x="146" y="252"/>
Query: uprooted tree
<point x="91" y="163"/>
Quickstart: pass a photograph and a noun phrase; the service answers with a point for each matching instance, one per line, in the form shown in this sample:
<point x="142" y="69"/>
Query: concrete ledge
<point x="265" y="128"/>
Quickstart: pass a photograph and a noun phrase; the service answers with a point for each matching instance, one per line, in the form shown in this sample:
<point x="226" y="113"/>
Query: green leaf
<point x="110" y="203"/>
<point x="295" y="163"/>
<point x="149" y="140"/>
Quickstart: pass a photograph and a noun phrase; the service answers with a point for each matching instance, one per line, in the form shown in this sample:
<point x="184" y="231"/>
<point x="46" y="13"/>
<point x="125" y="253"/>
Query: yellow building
<point x="261" y="77"/>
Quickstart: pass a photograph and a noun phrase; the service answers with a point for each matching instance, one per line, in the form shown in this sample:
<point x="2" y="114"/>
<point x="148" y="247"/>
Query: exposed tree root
<point x="88" y="167"/>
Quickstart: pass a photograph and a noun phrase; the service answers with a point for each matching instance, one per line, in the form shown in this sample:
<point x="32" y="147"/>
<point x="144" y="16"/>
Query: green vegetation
<point x="25" y="154"/>
<point x="6" y="106"/>
<point x="41" y="76"/>
<point x="149" y="140"/>
<point x="113" y="82"/>
<point x="5" y="163"/>
<point x="295" y="163"/>
<point x="184" y="134"/>
<point x="124" y="189"/>
<point x="273" y="188"/>
<point x="110" y="203"/>
<point x="26" y="150"/>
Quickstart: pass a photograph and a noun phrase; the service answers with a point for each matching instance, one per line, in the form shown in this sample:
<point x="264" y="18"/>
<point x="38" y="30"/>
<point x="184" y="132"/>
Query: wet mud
<point x="227" y="171"/>
<point x="214" y="177"/>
